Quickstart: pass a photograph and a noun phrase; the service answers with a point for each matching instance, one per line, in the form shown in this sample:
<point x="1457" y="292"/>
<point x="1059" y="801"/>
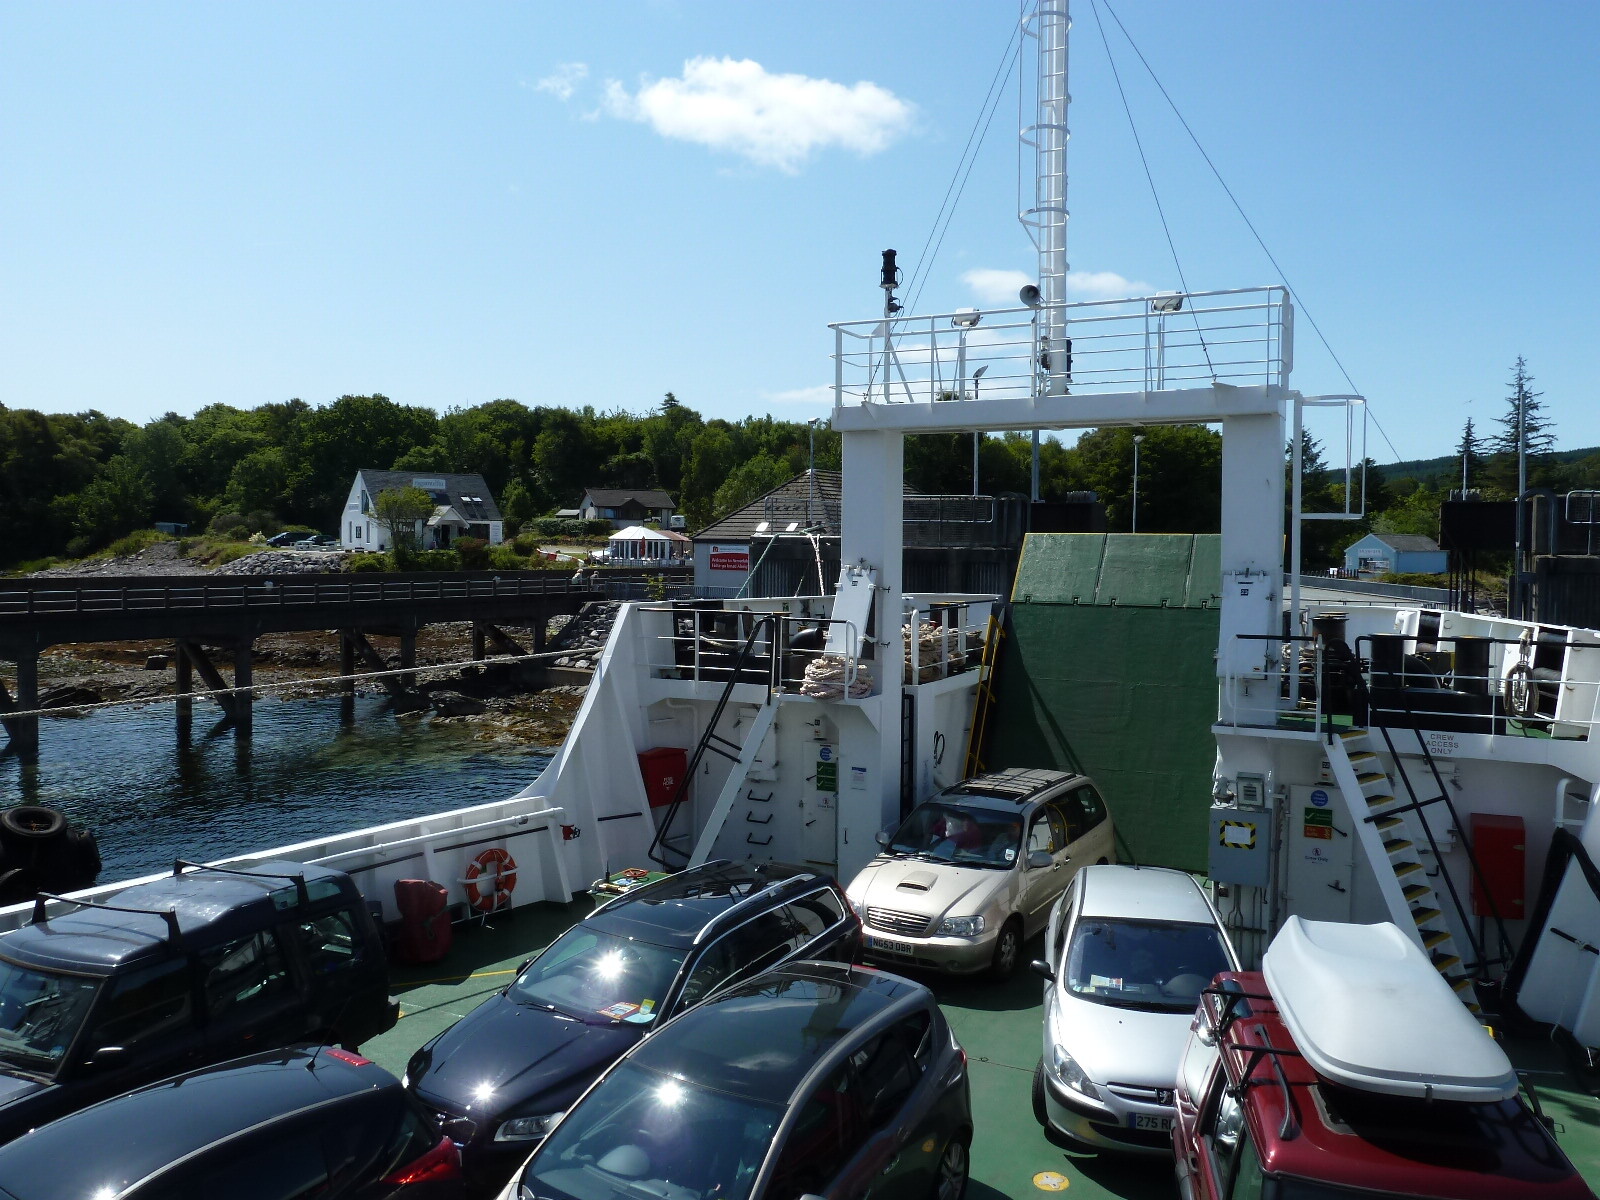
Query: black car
<point x="289" y="1123"/>
<point x="179" y="973"/>
<point x="515" y="1062"/>
<point x="814" y="1079"/>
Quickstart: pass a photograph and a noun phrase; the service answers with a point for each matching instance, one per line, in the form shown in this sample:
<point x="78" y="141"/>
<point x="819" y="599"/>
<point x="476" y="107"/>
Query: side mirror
<point x="1042" y="969"/>
<point x="459" y="1129"/>
<point x="107" y="1056"/>
<point x="882" y="838"/>
<point x="524" y="965"/>
<point x="1039" y="859"/>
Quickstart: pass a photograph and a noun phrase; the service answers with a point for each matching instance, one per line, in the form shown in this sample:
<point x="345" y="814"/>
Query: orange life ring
<point x="499" y="870"/>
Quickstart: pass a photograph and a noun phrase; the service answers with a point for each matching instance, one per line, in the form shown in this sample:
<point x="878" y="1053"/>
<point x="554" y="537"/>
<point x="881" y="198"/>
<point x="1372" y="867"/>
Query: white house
<point x="463" y="507"/>
<point x="1397" y="554"/>
<point x="626" y="506"/>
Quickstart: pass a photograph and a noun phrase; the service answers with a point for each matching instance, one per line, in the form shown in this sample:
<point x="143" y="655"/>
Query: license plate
<point x="1154" y="1124"/>
<point x="889" y="945"/>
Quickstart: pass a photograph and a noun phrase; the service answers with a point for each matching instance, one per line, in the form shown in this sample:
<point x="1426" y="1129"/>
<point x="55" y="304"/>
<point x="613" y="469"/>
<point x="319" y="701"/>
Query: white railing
<point x="1240" y="337"/>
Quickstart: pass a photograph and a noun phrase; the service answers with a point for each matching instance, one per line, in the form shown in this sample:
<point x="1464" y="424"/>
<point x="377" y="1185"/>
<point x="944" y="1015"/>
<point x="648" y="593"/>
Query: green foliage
<point x="1415" y="579"/>
<point x="399" y="511"/>
<point x="472" y="552"/>
<point x="750" y="479"/>
<point x="366" y="560"/>
<point x="526" y="543"/>
<point x="139" y="539"/>
<point x="503" y="557"/>
<point x="431" y="560"/>
<point x="655" y="586"/>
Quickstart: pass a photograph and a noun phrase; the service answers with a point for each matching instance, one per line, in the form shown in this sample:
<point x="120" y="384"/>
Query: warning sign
<point x="1318" y="824"/>
<point x="1237" y="835"/>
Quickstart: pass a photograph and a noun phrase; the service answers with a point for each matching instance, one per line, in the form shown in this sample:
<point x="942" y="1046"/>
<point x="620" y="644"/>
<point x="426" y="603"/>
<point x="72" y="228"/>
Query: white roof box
<point x="1368" y="1010"/>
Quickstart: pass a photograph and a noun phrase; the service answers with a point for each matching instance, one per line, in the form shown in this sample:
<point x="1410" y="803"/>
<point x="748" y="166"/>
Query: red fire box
<point x="1500" y="844"/>
<point x="663" y="769"/>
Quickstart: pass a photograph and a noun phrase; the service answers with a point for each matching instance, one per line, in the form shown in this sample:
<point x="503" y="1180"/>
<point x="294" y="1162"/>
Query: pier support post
<point x="243" y="676"/>
<point x="541" y="620"/>
<point x="183" y="671"/>
<point x="478" y="651"/>
<point x="408" y="659"/>
<point x="23" y="731"/>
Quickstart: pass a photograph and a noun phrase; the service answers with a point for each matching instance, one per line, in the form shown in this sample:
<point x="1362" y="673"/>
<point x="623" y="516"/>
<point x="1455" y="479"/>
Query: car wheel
<point x="951" y="1181"/>
<point x="1040" y="1112"/>
<point x="1007" y="950"/>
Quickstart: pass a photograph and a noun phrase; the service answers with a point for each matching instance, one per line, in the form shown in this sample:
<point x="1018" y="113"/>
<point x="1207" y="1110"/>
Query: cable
<point x="971" y="162"/>
<point x="1282" y="274"/>
<point x="1150" y="179"/>
<point x="919" y="273"/>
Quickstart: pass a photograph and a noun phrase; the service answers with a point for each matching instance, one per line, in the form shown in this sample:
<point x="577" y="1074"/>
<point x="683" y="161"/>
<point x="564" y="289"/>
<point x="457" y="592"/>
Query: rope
<point x="256" y="689"/>
<point x="1239" y="208"/>
<point x="1150" y="179"/>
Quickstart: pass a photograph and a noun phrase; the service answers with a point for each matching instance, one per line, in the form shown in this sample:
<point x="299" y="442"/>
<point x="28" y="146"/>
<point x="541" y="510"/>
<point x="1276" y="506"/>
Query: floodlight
<point x="1029" y="295"/>
<point x="978" y="374"/>
<point x="1167" y="302"/>
<point x="966" y="318"/>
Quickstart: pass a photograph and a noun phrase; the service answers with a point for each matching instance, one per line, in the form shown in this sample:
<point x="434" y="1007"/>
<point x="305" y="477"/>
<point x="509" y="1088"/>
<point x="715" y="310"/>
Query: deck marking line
<point x="416" y="983"/>
<point x="1051" y="1181"/>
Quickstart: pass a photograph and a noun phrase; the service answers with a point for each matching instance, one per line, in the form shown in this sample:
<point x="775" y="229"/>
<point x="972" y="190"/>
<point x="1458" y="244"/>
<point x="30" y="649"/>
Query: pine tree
<point x="1538" y="436"/>
<point x="1470" y="451"/>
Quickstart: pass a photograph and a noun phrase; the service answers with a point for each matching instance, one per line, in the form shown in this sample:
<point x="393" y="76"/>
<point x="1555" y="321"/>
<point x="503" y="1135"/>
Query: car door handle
<point x="890" y="1165"/>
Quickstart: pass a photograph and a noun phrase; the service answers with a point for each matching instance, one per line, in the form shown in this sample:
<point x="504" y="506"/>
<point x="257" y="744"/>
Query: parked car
<point x="814" y="1079"/>
<point x="1129" y="952"/>
<point x="523" y="1056"/>
<point x="288" y="1123"/>
<point x="1348" y="1070"/>
<point x="972" y="873"/>
<point x="178" y="973"/>
<point x="284" y="539"/>
<point x="317" y="541"/>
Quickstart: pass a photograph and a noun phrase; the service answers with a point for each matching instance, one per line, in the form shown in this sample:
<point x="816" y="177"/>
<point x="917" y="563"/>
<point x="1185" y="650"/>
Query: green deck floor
<point x="998" y="1026"/>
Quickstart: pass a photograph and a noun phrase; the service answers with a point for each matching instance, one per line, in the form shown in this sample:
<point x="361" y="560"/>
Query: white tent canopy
<point x="638" y="544"/>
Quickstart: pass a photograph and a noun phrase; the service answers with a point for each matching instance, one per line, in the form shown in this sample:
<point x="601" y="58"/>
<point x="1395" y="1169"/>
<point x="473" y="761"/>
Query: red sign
<point x="730" y="558"/>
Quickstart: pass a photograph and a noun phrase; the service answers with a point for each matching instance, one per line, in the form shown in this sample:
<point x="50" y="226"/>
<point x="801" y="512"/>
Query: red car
<point x="1319" y="1082"/>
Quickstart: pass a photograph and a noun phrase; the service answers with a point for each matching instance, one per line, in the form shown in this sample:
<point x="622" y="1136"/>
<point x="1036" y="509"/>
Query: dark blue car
<point x="514" y="1064"/>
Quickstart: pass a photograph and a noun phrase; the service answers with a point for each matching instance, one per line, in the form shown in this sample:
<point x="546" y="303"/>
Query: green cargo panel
<point x="1124" y="692"/>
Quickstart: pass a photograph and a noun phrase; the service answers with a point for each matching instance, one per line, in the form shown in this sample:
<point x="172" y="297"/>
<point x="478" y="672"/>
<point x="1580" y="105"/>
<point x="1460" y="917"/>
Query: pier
<point x="212" y="624"/>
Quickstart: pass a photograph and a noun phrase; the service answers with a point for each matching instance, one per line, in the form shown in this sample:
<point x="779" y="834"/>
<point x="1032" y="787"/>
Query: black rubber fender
<point x="33" y="822"/>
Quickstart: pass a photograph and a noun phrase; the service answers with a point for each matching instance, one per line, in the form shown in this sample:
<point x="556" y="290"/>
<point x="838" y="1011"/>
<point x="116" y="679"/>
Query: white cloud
<point x="564" y="80"/>
<point x="821" y="394"/>
<point x="992" y="286"/>
<point x="736" y="105"/>
<point x="995" y="287"/>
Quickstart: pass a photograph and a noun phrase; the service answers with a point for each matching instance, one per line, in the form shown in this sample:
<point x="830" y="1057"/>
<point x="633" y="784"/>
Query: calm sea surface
<point x="303" y="775"/>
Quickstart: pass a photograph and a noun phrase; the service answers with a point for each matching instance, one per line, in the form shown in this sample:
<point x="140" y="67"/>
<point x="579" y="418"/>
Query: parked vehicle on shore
<point x="518" y="1060"/>
<point x="971" y="873"/>
<point x="813" y="1079"/>
<point x="196" y="968"/>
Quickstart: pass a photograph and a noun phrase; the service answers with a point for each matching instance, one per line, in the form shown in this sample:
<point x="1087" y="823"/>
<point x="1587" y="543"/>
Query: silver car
<point x="1130" y="950"/>
<point x="972" y="872"/>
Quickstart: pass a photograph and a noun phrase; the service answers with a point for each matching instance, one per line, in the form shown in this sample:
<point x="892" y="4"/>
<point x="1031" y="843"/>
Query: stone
<point x="158" y="662"/>
<point x="454" y="704"/>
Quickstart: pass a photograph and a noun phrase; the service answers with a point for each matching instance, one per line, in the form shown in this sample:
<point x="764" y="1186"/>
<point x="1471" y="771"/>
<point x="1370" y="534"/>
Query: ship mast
<point x="1050" y="25"/>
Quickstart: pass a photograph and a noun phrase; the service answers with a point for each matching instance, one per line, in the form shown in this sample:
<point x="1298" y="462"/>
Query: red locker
<point x="1500" y="844"/>
<point x="663" y="769"/>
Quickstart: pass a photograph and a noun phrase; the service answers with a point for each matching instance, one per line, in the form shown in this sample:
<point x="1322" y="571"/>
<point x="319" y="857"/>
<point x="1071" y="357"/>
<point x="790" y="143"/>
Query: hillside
<point x="1448" y="466"/>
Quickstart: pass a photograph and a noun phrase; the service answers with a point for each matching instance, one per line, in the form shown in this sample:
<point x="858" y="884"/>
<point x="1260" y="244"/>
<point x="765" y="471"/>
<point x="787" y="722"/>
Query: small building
<point x="463" y="507"/>
<point x="1395" y="554"/>
<point x="626" y="506"/>
<point x="637" y="546"/>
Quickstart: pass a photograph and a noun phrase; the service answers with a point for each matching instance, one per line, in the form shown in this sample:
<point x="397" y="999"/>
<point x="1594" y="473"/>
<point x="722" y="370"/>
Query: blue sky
<point x="244" y="203"/>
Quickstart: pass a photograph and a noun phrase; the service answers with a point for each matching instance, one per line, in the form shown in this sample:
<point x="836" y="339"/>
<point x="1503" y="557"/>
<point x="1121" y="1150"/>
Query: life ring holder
<point x="490" y="880"/>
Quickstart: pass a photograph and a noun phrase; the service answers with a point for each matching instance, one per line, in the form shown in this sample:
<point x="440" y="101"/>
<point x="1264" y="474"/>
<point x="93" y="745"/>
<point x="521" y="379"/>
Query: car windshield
<point x="1143" y="964"/>
<point x="654" y="1137"/>
<point x="599" y="977"/>
<point x="960" y="834"/>
<point x="40" y="1013"/>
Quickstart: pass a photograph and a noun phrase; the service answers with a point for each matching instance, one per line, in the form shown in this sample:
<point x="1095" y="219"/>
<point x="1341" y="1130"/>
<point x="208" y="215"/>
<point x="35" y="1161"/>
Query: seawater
<point x="304" y="774"/>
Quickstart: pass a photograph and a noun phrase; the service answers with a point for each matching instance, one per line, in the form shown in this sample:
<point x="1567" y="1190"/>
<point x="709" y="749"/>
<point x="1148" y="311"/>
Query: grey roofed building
<point x="464" y="507"/>
<point x="795" y="500"/>
<point x="626" y="506"/>
<point x="1406" y="541"/>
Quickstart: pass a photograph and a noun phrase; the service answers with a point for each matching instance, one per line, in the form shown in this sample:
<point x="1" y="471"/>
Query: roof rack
<point x="169" y="915"/>
<point x="302" y="896"/>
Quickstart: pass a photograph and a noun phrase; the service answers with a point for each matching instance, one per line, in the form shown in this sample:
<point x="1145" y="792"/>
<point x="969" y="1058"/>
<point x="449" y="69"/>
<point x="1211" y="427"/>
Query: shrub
<point x="262" y="522"/>
<point x="366" y="560"/>
<point x="227" y="524"/>
<point x="526" y="543"/>
<point x="473" y="553"/>
<point x="233" y="550"/>
<point x="139" y="539"/>
<point x="79" y="546"/>
<point x="505" y="558"/>
<point x="596" y="528"/>
<point x="434" y="560"/>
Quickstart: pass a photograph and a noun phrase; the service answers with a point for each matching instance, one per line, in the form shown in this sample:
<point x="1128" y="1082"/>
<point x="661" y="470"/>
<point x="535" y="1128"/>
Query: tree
<point x="1523" y="421"/>
<point x="117" y="502"/>
<point x="749" y="480"/>
<point x="400" y="511"/>
<point x="1470" y="451"/>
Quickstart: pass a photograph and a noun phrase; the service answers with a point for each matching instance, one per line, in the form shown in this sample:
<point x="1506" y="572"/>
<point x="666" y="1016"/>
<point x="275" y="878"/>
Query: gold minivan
<point x="972" y="872"/>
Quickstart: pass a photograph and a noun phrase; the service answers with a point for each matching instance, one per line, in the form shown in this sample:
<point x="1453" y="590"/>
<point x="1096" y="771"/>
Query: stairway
<point x="738" y="783"/>
<point x="1389" y="832"/>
